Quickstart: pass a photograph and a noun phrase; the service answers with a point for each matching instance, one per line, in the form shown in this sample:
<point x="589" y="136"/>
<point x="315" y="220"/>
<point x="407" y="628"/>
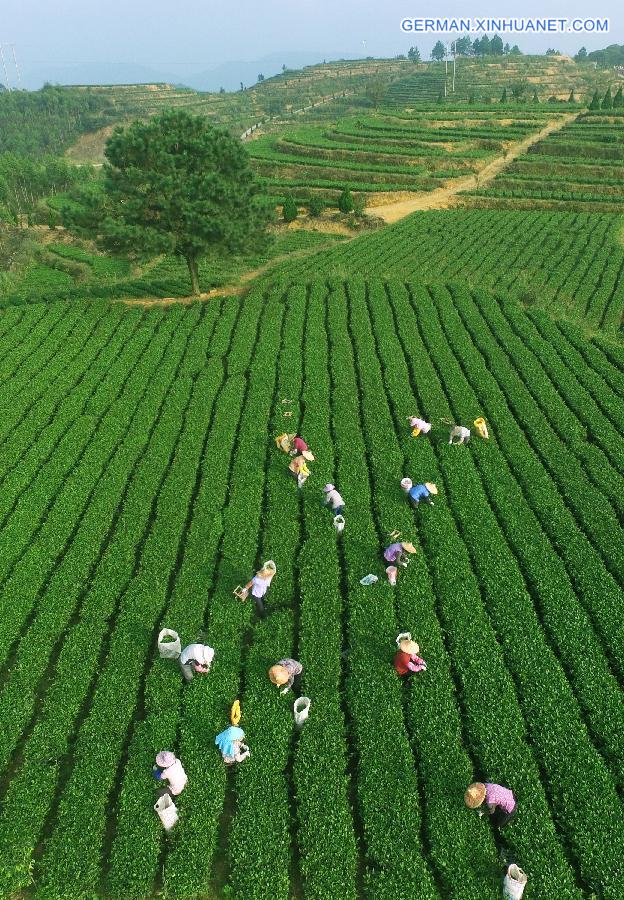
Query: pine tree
<point x="535" y="97"/>
<point x="503" y="98"/>
<point x="289" y="209"/>
<point x="345" y="201"/>
<point x="595" y="102"/>
<point x="572" y="98"/>
<point x="618" y="100"/>
<point x="607" y="100"/>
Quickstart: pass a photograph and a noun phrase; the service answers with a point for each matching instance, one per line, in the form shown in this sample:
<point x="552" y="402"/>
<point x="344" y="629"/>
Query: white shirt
<point x="201" y="653"/>
<point x="176" y="776"/>
<point x="423" y="426"/>
<point x="259" y="586"/>
<point x="334" y="499"/>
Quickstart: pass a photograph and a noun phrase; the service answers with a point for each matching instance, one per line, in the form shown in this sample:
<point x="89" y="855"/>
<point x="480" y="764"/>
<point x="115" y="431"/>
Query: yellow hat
<point x="409" y="646"/>
<point x="278" y="675"/>
<point x="475" y="795"/>
<point x="409" y="548"/>
<point x="308" y="455"/>
<point x="431" y="487"/>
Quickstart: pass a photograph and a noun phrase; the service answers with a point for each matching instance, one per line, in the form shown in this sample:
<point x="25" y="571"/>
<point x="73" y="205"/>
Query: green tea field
<point x="140" y="484"/>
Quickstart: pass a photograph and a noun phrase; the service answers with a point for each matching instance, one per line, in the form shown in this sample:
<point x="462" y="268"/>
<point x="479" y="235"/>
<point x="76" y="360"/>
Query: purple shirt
<point x="392" y="553"/>
<point x="497" y="795"/>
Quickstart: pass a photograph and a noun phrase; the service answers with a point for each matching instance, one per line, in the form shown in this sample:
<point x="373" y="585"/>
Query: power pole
<point x="6" y="74"/>
<point x="17" y="71"/>
<point x="445" y="68"/>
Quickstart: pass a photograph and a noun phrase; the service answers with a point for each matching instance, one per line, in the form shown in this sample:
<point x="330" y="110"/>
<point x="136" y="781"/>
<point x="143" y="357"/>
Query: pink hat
<point x="329" y="487"/>
<point x="165" y="759"/>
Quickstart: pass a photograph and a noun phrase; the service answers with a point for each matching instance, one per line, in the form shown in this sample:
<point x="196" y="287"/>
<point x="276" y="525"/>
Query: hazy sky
<point x="182" y="35"/>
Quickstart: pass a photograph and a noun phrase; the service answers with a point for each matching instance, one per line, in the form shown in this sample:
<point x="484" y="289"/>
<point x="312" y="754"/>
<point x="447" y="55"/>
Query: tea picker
<point x="284" y="672"/>
<point x="398" y="553"/>
<point x="284" y="442"/>
<point x="299" y="467"/>
<point x="195" y="659"/>
<point x="333" y="499"/>
<point x="406" y="659"/>
<point x="259" y="585"/>
<point x="419" y="426"/>
<point x="419" y="492"/>
<point x="299" y="445"/>
<point x="168" y="768"/>
<point x="500" y="803"/>
<point x="230" y="743"/>
<point x="459" y="435"/>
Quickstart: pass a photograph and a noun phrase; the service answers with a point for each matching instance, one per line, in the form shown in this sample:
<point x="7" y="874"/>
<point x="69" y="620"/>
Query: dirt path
<point x="444" y="197"/>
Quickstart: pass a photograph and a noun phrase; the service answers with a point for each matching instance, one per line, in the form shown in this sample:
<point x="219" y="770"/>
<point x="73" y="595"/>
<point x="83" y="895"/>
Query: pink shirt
<point x="497" y="795"/>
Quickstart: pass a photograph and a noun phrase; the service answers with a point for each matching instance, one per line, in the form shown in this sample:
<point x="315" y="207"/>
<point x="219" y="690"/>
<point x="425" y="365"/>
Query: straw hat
<point x="165" y="759"/>
<point x="265" y="572"/>
<point x="409" y="548"/>
<point x="475" y="795"/>
<point x="307" y="455"/>
<point x="278" y="675"/>
<point x="409" y="646"/>
<point x="406" y="483"/>
<point x="328" y="488"/>
<point x="431" y="487"/>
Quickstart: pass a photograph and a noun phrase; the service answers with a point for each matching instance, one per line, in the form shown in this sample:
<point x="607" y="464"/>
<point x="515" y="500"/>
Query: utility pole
<point x="453" y="47"/>
<point x="445" y="68"/>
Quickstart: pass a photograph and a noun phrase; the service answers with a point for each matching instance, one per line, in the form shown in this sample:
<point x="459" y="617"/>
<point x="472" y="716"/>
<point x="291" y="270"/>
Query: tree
<point x="607" y="100"/>
<point x="260" y="77"/>
<point x="439" y="51"/>
<point x="503" y="98"/>
<point x="175" y="184"/>
<point x="316" y="206"/>
<point x="581" y="56"/>
<point x="414" y="54"/>
<point x="595" y="102"/>
<point x="618" y="100"/>
<point x="290" y="210"/>
<point x="496" y="46"/>
<point x="572" y="98"/>
<point x="222" y="90"/>
<point x="519" y="88"/>
<point x="535" y="97"/>
<point x="242" y="86"/>
<point x="440" y="98"/>
<point x="506" y="49"/>
<point x="359" y="205"/>
<point x="485" y="47"/>
<point x="463" y="46"/>
<point x="345" y="201"/>
<point x="515" y="51"/>
<point x="471" y="99"/>
<point x="376" y="90"/>
<point x="552" y="52"/>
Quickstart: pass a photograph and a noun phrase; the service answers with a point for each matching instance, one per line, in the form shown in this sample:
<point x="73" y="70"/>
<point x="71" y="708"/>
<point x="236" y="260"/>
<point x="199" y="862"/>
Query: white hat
<point x="165" y="759"/>
<point x="406" y="484"/>
<point x="328" y="488"/>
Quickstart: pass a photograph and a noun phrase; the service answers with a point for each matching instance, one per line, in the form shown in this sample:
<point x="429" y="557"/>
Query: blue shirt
<point x="419" y="492"/>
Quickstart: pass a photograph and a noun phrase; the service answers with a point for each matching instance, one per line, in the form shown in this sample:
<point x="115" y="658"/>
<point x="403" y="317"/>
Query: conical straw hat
<point x="431" y="487"/>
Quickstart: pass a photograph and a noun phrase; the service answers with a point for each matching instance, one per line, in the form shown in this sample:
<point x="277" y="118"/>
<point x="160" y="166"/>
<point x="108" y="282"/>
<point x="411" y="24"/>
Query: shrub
<point x="345" y="201"/>
<point x="316" y="206"/>
<point x="290" y="210"/>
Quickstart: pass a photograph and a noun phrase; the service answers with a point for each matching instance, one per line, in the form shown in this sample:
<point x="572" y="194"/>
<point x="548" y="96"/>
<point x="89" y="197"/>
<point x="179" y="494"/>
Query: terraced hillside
<point x="486" y="78"/>
<point x="140" y="484"/>
<point x="579" y="167"/>
<point x="390" y="152"/>
<point x="571" y="264"/>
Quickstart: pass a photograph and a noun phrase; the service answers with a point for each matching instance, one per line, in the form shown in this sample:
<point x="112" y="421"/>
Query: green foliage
<point x="176" y="185"/>
<point x="45" y="122"/>
<point x="289" y="209"/>
<point x="316" y="205"/>
<point x="503" y="98"/>
<point x="496" y="46"/>
<point x="414" y="54"/>
<point x="618" y="100"/>
<point x="438" y="51"/>
<point x="607" y="101"/>
<point x="595" y="101"/>
<point x="345" y="201"/>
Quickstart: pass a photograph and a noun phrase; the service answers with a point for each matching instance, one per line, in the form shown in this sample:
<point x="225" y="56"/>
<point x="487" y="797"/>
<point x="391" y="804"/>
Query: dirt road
<point x="444" y="197"/>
